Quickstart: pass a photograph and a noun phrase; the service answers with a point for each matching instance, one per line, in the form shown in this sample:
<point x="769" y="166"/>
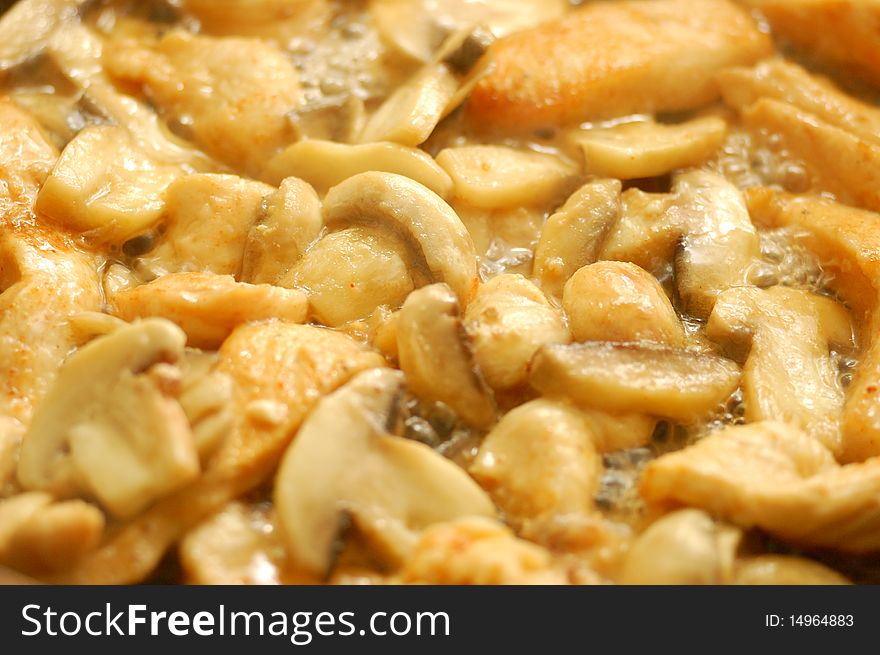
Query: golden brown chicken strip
<point x="613" y="59"/>
<point x="841" y="32"/>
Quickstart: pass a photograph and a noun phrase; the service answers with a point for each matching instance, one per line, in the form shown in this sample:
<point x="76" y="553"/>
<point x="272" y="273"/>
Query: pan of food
<point x="439" y="292"/>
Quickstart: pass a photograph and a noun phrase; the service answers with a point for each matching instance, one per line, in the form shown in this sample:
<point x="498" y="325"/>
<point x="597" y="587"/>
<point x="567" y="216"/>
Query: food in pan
<point x="439" y="291"/>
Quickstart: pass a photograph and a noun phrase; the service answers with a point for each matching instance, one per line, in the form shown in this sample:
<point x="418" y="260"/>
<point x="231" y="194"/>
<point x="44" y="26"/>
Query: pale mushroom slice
<point x="409" y="115"/>
<point x="648" y="149"/>
<point x="540" y="462"/>
<point x="787" y="82"/>
<point x="677" y="384"/>
<point x="789" y="374"/>
<point x="494" y="177"/>
<point x="837" y="160"/>
<point x="291" y="222"/>
<point x="344" y="466"/>
<point x="618" y="301"/>
<point x="508" y="320"/>
<point x="774" y="477"/>
<point x="104" y="186"/>
<point x="573" y="236"/>
<point x="417" y="214"/>
<point x="843" y="238"/>
<point x="435" y="355"/>
<point x="208" y="307"/>
<point x="324" y="164"/>
<point x="720" y="244"/>
<point x="108" y="429"/>
<point x="685" y="547"/>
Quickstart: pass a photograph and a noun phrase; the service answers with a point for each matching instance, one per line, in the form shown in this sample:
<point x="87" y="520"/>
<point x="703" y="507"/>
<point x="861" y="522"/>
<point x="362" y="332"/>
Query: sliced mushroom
<point x="104" y="185"/>
<point x="209" y="218"/>
<point x="683" y="548"/>
<point x="11" y="433"/>
<point x="720" y="244"/>
<point x="290" y="224"/>
<point x="409" y="115"/>
<point x="205" y="397"/>
<point x="493" y="177"/>
<point x="573" y="236"/>
<point x="324" y="164"/>
<point x="39" y="536"/>
<point x="844" y="239"/>
<point x="676" y="384"/>
<point x="207" y="306"/>
<point x="540" y="462"/>
<point x="417" y="214"/>
<point x="789" y="375"/>
<point x="344" y="463"/>
<point x="618" y="301"/>
<point x="774" y="477"/>
<point x="436" y="358"/>
<point x="647" y="149"/>
<point x="508" y="320"/>
<point x="89" y="412"/>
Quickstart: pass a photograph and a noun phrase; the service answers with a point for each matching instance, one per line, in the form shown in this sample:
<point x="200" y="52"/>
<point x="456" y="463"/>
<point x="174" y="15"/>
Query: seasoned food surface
<point x="440" y="291"/>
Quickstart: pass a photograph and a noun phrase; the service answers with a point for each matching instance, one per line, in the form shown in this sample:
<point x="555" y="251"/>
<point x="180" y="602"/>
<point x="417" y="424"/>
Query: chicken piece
<point x="787" y="82"/>
<point x="44" y="279"/>
<point x="618" y="301"/>
<point x="233" y="94"/>
<point x="615" y="59"/>
<point x="38" y="536"/>
<point x="284" y="366"/>
<point x="238" y="545"/>
<point x="845" y="241"/>
<point x="789" y="375"/>
<point x="837" y="160"/>
<point x="209" y="218"/>
<point x="540" y="462"/>
<point x="840" y="32"/>
<point x="207" y="306"/>
<point x="785" y="570"/>
<point x="105" y="187"/>
<point x="774" y="477"/>
<point x="508" y="320"/>
<point x="477" y="551"/>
